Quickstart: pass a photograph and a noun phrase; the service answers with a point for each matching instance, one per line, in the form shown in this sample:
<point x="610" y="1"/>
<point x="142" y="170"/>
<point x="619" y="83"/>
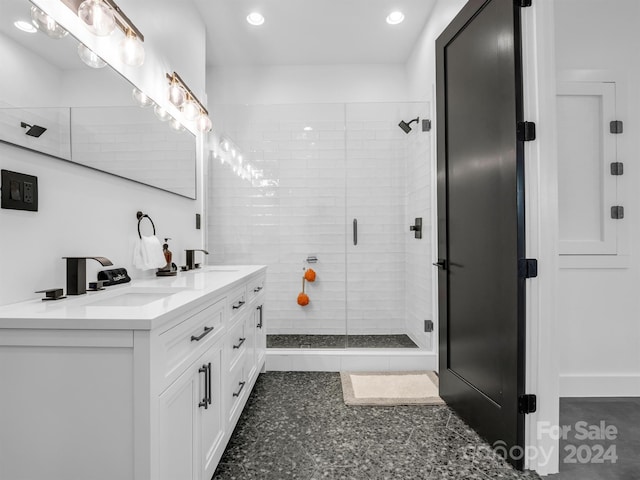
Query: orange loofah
<point x="303" y="299"/>
<point x="310" y="275"/>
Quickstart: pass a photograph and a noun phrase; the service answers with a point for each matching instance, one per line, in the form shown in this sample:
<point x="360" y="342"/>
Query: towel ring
<point x="140" y="216"/>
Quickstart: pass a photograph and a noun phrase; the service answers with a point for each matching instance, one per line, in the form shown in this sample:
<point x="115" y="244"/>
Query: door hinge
<point x="617" y="212"/>
<point x="428" y="326"/>
<point x="526" y="131"/>
<point x="525" y="3"/>
<point x="616" y="126"/>
<point x="528" y="268"/>
<point x="527" y="404"/>
<point x="617" y="168"/>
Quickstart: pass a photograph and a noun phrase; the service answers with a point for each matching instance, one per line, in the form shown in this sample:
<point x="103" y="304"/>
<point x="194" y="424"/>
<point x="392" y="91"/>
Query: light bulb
<point x="176" y="95"/>
<point x="161" y="113"/>
<point x="89" y="57"/>
<point x="46" y="24"/>
<point x="141" y="98"/>
<point x="176" y="125"/>
<point x="256" y="19"/>
<point x="191" y="110"/>
<point x="394" y="18"/>
<point x="204" y="123"/>
<point x="98" y="17"/>
<point x="131" y="50"/>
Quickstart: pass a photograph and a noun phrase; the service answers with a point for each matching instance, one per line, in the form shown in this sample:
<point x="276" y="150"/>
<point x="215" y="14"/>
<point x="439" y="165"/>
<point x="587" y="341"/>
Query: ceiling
<point x="311" y="32"/>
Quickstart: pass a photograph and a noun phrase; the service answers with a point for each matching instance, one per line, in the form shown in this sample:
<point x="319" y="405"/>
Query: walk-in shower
<point x="335" y="188"/>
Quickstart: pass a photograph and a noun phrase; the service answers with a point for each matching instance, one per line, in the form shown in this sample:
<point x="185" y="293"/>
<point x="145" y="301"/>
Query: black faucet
<point x="77" y="273"/>
<point x="191" y="257"/>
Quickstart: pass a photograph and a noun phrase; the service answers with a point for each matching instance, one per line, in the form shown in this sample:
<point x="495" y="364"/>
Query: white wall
<point x="598" y="307"/>
<point x="307" y="84"/>
<point x="421" y="66"/>
<point x="84" y="212"/>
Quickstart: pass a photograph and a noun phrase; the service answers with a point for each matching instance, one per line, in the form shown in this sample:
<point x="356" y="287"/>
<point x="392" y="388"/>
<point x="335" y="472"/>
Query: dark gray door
<point x="481" y="219"/>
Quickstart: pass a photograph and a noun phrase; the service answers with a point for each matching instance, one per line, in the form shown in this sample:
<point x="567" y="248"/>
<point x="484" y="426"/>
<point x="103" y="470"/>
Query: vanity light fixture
<point x="394" y="18"/>
<point x="161" y="113"/>
<point x="98" y="17"/>
<point x="176" y="125"/>
<point x="25" y="26"/>
<point x="192" y="108"/>
<point x="131" y="50"/>
<point x="89" y="57"/>
<point x="256" y="19"/>
<point x="141" y="98"/>
<point x="46" y="24"/>
<point x="102" y="17"/>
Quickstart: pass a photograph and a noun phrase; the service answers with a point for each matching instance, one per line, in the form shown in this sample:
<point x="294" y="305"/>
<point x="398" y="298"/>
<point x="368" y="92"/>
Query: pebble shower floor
<point x="296" y="426"/>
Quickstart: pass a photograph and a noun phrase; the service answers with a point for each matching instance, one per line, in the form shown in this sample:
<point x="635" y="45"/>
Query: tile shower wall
<point x="292" y="189"/>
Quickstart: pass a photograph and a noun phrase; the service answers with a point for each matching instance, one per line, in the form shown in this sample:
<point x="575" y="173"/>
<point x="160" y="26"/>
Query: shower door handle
<point x="355" y="231"/>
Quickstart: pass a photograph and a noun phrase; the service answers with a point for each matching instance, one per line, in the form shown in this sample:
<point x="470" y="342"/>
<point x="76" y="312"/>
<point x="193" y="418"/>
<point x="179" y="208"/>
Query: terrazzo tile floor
<point x="296" y="426"/>
<point x="340" y="341"/>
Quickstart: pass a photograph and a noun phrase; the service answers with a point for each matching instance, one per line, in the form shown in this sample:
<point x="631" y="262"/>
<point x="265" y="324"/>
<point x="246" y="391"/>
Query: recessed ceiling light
<point x="255" y="18"/>
<point x="394" y="18"/>
<point x="25" y="26"/>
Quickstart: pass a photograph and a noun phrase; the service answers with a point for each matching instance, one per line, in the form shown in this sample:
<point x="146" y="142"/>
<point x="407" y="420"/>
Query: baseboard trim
<point x="621" y="385"/>
<point x="362" y="360"/>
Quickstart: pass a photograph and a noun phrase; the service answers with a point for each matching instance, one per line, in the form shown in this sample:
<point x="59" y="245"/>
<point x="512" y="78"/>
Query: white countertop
<point x="138" y="305"/>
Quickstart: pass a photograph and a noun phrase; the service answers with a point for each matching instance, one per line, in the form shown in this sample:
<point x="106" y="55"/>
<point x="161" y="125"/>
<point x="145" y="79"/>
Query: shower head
<point x="406" y="127"/>
<point x="34" y="130"/>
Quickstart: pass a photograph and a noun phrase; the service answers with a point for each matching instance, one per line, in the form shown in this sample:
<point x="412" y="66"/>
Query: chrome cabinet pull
<point x="207" y="331"/>
<point x="242" y="340"/>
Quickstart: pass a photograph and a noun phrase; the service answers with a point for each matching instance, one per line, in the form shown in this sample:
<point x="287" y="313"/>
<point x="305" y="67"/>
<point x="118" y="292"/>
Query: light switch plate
<point x="19" y="191"/>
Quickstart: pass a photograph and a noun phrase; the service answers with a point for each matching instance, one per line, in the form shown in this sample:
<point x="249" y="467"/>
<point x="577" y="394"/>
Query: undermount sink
<point x="136" y="297"/>
<point x="221" y="269"/>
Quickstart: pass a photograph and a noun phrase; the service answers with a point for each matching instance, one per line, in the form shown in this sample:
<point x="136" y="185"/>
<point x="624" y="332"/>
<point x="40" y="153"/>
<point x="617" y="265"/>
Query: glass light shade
<point x="191" y="110"/>
<point x="132" y="51"/>
<point x="176" y="125"/>
<point x="98" y="17"/>
<point x="46" y="24"/>
<point x="89" y="57"/>
<point x="176" y="95"/>
<point x="161" y="113"/>
<point x="204" y="123"/>
<point x="141" y="98"/>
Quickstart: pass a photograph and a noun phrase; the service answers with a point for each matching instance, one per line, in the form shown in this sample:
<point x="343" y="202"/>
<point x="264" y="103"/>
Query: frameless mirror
<point x="52" y="103"/>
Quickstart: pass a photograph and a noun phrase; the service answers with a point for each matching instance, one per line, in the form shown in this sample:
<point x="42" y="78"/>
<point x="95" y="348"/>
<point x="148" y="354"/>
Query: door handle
<point x="441" y="263"/>
<point x="259" y="325"/>
<point x="209" y="389"/>
<point x="241" y="384"/>
<point x="355" y="231"/>
<point x="240" y="342"/>
<point x="238" y="305"/>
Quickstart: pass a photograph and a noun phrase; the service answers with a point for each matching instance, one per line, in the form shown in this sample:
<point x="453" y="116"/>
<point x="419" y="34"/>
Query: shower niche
<point x="340" y="183"/>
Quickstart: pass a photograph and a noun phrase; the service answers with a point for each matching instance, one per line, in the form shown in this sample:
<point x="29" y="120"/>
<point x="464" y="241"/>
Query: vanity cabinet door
<point x="191" y="427"/>
<point x="177" y="429"/>
<point x="210" y="419"/>
<point x="261" y="333"/>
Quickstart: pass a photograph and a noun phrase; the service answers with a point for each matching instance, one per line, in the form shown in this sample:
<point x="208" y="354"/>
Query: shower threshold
<point x="340" y="341"/>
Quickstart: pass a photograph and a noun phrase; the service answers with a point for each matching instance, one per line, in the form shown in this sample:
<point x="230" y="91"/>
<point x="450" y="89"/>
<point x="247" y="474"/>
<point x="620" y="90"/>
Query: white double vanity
<point x="141" y="381"/>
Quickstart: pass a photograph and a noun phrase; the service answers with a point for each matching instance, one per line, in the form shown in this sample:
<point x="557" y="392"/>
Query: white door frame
<point x="538" y="31"/>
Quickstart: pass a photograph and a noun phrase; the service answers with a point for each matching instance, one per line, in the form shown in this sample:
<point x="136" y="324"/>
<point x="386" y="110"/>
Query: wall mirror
<point x="53" y="103"/>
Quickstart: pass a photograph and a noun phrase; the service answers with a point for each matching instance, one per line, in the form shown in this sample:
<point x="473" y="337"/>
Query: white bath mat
<point x="390" y="388"/>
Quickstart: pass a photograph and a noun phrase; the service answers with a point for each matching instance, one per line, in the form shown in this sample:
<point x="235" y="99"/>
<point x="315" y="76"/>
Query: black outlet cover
<point x="13" y="191"/>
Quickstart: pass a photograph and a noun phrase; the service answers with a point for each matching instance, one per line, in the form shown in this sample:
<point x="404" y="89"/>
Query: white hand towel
<point x="147" y="253"/>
